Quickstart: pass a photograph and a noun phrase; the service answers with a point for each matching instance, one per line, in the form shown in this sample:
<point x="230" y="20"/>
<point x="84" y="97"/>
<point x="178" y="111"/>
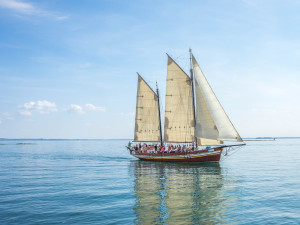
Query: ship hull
<point x="212" y="155"/>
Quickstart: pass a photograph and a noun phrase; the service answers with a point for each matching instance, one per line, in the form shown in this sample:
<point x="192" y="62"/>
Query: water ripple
<point x="98" y="182"/>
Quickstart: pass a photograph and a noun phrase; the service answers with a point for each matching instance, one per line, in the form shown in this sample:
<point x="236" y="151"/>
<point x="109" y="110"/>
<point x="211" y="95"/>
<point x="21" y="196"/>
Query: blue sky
<point x="68" y="68"/>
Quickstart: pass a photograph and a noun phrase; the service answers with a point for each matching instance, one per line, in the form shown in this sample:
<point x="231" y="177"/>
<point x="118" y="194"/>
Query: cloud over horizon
<point x="41" y="107"/>
<point x="73" y="108"/>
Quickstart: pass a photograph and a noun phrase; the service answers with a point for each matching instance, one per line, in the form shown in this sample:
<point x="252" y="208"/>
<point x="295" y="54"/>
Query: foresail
<point x="211" y="120"/>
<point x="179" y="118"/>
<point x="146" y="117"/>
<point x="205" y="125"/>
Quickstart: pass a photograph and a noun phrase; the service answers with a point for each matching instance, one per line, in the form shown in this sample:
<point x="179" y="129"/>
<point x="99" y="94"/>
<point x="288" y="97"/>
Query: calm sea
<point x="98" y="182"/>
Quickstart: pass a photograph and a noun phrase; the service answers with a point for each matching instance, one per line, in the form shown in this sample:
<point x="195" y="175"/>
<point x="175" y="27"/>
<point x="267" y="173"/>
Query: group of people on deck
<point x="155" y="148"/>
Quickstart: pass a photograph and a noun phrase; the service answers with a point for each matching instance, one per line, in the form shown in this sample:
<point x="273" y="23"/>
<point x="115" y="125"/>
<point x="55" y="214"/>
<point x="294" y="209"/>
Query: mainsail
<point x="179" y="118"/>
<point x="212" y="123"/>
<point x="147" y="114"/>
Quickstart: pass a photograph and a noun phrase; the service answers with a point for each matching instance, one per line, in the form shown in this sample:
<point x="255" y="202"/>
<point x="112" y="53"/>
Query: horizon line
<point x="124" y="138"/>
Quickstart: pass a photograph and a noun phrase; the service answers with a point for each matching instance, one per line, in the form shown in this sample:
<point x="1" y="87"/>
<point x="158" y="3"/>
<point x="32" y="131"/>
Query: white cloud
<point x="91" y="107"/>
<point x="41" y="107"/>
<point x="0" y="121"/>
<point x="29" y="9"/>
<point x="62" y="17"/>
<point x="83" y="109"/>
<point x="25" y="113"/>
<point x="18" y="6"/>
<point x="75" y="109"/>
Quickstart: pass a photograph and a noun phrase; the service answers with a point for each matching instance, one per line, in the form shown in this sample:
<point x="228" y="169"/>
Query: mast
<point x="157" y="92"/>
<point x="193" y="95"/>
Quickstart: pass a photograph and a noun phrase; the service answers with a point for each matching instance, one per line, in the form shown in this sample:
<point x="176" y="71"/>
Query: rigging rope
<point x="230" y="149"/>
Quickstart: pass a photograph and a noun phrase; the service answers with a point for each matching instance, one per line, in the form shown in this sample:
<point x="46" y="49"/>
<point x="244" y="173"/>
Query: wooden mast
<point x="193" y="95"/>
<point x="157" y="92"/>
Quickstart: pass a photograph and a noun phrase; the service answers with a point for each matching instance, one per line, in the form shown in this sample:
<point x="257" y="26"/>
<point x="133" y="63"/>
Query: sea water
<point x="98" y="182"/>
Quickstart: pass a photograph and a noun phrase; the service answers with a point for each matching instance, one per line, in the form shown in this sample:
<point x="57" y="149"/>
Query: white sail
<point x="179" y="118"/>
<point x="147" y="116"/>
<point x="211" y="121"/>
<point x="205" y="125"/>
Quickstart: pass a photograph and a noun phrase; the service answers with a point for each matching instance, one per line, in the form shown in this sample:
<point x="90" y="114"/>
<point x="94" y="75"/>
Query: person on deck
<point x="193" y="146"/>
<point x="160" y="149"/>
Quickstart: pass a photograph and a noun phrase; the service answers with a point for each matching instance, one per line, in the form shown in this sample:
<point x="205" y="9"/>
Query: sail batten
<point x="212" y="121"/>
<point x="147" y="114"/>
<point x="179" y="119"/>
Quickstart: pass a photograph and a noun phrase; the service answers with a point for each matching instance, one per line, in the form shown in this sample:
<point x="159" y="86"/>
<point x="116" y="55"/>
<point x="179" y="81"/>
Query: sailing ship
<point x="193" y="117"/>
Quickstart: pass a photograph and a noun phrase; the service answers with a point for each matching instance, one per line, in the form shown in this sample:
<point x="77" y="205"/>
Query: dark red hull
<point x="212" y="155"/>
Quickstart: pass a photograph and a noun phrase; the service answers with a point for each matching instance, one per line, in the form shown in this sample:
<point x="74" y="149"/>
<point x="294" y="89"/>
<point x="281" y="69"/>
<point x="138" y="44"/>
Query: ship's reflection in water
<point x="175" y="193"/>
